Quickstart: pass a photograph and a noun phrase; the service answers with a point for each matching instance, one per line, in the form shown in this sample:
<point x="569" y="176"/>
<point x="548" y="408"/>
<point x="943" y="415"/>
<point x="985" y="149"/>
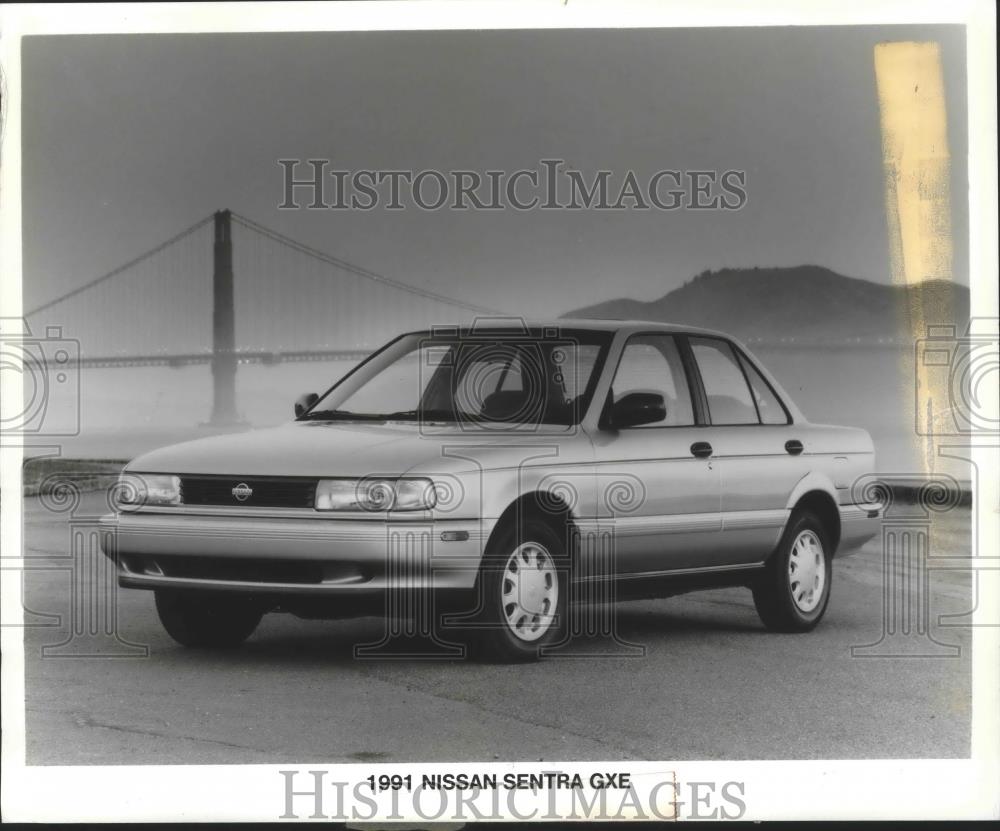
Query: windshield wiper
<point x="421" y="415"/>
<point x="340" y="415"/>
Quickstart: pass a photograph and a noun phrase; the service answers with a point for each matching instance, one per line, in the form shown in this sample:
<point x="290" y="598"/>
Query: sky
<point x="129" y="139"/>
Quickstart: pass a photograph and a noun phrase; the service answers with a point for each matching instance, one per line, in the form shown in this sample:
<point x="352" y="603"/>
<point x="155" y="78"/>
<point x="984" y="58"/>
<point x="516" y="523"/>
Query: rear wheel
<point x="205" y="620"/>
<point x="794" y="591"/>
<point x="524" y="594"/>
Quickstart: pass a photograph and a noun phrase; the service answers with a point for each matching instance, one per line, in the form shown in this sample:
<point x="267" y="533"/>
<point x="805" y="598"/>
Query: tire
<point x="524" y="594"/>
<point x="794" y="591"/>
<point x="202" y="620"/>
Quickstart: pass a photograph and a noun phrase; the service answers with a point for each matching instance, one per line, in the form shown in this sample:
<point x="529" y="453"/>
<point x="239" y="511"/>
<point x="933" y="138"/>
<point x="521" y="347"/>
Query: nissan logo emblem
<point x="242" y="492"/>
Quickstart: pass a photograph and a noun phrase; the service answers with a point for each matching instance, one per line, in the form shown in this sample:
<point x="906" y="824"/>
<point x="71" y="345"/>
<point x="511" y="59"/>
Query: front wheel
<point x="794" y="591"/>
<point x="205" y="620"/>
<point x="524" y="594"/>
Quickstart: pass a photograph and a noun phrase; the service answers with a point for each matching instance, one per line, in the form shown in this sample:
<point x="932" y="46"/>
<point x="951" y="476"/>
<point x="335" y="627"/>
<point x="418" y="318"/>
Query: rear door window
<point x="726" y="389"/>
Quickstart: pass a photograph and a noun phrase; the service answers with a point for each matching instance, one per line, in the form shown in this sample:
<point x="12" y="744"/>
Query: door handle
<point x="794" y="446"/>
<point x="701" y="449"/>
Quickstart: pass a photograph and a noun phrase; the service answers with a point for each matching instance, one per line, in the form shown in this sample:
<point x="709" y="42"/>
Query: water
<point x="120" y="412"/>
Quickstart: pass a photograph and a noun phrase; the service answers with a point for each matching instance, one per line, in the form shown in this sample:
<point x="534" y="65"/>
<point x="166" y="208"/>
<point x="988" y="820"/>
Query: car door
<point x="663" y="502"/>
<point x="755" y="447"/>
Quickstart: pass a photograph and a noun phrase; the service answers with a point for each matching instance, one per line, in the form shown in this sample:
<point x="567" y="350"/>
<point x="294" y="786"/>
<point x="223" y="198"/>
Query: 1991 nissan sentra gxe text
<point x="498" y="474"/>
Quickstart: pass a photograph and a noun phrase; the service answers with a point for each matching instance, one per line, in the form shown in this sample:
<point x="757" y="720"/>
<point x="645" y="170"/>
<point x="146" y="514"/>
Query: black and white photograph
<point x="458" y="411"/>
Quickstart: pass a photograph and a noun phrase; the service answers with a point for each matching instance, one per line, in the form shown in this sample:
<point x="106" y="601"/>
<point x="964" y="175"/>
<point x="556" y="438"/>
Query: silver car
<point x="486" y="479"/>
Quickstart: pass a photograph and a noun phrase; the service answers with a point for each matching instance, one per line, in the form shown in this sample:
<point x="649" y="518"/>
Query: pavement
<point x="710" y="682"/>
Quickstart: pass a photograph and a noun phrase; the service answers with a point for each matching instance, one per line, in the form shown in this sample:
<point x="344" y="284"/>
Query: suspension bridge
<point x="228" y="291"/>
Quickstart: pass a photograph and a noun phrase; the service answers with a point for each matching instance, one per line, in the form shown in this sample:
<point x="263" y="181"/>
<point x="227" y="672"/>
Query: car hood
<point x="317" y="448"/>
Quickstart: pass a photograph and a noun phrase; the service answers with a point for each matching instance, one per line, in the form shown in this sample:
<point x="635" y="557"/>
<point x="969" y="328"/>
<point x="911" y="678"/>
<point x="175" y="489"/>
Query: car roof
<point x="616" y="325"/>
<point x="515" y="324"/>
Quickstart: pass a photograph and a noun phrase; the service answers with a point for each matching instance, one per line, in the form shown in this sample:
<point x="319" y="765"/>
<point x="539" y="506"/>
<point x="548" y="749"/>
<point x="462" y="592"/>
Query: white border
<point x="921" y="789"/>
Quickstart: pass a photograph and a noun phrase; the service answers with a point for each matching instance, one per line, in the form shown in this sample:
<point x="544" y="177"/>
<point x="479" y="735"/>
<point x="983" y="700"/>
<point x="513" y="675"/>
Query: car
<point x="487" y="478"/>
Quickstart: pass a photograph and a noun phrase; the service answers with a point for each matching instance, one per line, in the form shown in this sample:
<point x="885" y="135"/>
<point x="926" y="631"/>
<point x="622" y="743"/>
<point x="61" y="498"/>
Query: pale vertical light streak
<point x="917" y="163"/>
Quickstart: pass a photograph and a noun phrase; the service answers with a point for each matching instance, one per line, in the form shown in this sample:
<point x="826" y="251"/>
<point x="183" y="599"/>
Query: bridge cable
<point x="302" y="248"/>
<point x="125" y="267"/>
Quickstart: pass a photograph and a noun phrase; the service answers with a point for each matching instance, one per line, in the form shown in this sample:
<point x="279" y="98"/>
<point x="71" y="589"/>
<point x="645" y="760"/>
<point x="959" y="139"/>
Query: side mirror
<point x="635" y="409"/>
<point x="304" y="402"/>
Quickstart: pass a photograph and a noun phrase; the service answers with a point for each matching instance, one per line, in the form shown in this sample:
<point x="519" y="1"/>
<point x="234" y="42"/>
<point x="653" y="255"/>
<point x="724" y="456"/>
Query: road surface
<point x="711" y="684"/>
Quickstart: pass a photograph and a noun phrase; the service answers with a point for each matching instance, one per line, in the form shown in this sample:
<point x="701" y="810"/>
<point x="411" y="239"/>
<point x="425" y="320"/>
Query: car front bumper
<point x="280" y="555"/>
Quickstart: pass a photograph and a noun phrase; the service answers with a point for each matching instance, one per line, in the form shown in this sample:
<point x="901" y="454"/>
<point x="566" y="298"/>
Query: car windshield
<point x="485" y="377"/>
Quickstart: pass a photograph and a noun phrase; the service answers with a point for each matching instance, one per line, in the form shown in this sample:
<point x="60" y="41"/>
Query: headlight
<point x="375" y="495"/>
<point x="137" y="489"/>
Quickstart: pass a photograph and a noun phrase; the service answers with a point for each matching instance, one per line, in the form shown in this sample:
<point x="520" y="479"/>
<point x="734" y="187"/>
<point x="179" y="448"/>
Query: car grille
<point x="258" y="492"/>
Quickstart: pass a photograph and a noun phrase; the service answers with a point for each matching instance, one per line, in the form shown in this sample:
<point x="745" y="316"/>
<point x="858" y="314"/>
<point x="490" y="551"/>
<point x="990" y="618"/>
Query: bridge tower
<point x="223" y="325"/>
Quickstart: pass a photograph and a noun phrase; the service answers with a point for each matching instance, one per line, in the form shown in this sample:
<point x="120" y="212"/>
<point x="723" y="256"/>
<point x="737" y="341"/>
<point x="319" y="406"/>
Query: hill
<point x="804" y="302"/>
